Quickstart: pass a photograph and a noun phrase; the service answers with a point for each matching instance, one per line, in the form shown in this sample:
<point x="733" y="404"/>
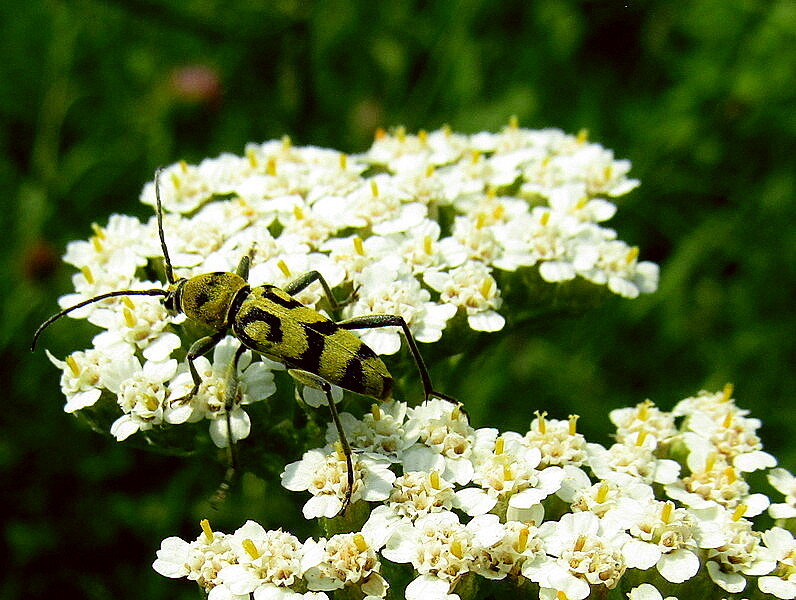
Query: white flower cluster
<point x="421" y="226"/>
<point x="547" y="510"/>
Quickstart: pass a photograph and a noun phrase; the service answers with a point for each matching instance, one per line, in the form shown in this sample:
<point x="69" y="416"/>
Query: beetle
<point x="316" y="350"/>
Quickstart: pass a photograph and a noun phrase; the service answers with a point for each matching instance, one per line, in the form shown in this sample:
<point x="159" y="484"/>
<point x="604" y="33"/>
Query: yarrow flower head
<point x="588" y="520"/>
<point x="431" y="227"/>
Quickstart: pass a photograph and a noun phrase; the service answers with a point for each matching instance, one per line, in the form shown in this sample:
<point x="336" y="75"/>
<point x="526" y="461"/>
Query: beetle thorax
<point x="207" y="298"/>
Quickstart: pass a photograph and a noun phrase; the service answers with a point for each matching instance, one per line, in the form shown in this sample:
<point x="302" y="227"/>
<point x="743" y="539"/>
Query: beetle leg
<point x="245" y="263"/>
<point x="198" y="348"/>
<point x="232" y="457"/>
<point x="312" y="380"/>
<point x="376" y="321"/>
<point x="301" y="282"/>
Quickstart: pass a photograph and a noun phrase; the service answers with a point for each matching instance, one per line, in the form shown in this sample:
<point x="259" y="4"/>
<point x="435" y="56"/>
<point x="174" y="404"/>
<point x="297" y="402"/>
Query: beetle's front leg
<point x="197" y="349"/>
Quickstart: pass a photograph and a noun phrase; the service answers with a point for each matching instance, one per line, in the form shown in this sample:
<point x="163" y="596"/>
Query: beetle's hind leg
<point x="312" y="380"/>
<point x="376" y="321"/>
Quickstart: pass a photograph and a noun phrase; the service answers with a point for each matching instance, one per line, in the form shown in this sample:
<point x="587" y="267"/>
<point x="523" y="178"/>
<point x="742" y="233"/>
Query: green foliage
<point x="93" y="96"/>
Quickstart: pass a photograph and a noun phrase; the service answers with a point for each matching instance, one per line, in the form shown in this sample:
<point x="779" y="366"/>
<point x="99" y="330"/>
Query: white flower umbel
<point x="440" y="549"/>
<point x="344" y="560"/>
<point x="222" y="393"/>
<point x="784" y="482"/>
<point x="428" y="227"/>
<point x="324" y="475"/>
<point x="781" y="547"/>
<point x="201" y="561"/>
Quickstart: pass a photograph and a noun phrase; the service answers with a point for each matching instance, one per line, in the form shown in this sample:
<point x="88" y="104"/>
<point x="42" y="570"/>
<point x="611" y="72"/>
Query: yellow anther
<point x="98" y="231"/>
<point x="632" y="255"/>
<point x="360" y="542"/>
<point x="581" y="204"/>
<point x="541" y="424"/>
<point x="499" y="212"/>
<point x="96" y="243"/>
<point x="710" y="461"/>
<point x="508" y="475"/>
<point x="151" y="402"/>
<point x="522" y="540"/>
<point x="375" y="411"/>
<point x="727" y="420"/>
<point x="544" y="219"/>
<point x="250" y="548"/>
<point x="338" y="448"/>
<point x="433" y="480"/>
<point x="428" y="244"/>
<point x="400" y="133"/>
<point x="343" y="161"/>
<point x="500" y="444"/>
<point x="374" y="188"/>
<point x="475" y="156"/>
<point x="642" y="436"/>
<point x="580" y="543"/>
<point x="252" y="156"/>
<point x="87" y="274"/>
<point x="175" y="180"/>
<point x="205" y="525"/>
<point x="487" y="287"/>
<point x="583" y="136"/>
<point x="129" y="317"/>
<point x="446" y="130"/>
<point x="643" y="412"/>
<point x="573" y="424"/>
<point x="183" y="166"/>
<point x="608" y="172"/>
<point x="514" y="122"/>
<point x="602" y="493"/>
<point x="739" y="512"/>
<point x="73" y="366"/>
<point x="270" y="166"/>
<point x="667" y="511"/>
<point x="491" y="192"/>
<point x="286" y="142"/>
<point x="561" y="595"/>
<point x="380" y="134"/>
<point x="456" y="413"/>
<point x="731" y="475"/>
<point x="359" y="247"/>
<point x="422" y="136"/>
<point x="727" y="392"/>
<point x="480" y="220"/>
<point x="284" y="268"/>
<point x="456" y="549"/>
<point x="298" y="212"/>
<point x="430" y="169"/>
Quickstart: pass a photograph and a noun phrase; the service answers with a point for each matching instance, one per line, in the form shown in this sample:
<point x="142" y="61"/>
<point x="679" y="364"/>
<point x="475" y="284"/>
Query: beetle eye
<point x="168" y="302"/>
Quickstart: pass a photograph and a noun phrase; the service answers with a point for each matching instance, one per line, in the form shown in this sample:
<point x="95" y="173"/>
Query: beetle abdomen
<point x="272" y="322"/>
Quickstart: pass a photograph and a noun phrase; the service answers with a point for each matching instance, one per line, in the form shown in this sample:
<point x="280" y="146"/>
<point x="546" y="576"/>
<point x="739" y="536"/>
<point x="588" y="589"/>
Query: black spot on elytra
<point x="324" y="327"/>
<point x="354" y="378"/>
<point x="277" y="298"/>
<point x="310" y="359"/>
<point x="274" y="334"/>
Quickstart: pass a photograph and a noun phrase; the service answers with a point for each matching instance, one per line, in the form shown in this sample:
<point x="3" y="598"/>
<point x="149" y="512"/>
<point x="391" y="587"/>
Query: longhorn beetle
<point x="316" y="350"/>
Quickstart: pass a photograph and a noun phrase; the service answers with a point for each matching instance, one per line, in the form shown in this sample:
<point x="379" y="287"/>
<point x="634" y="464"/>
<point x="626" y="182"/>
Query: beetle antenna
<point x="58" y="315"/>
<point x="169" y="270"/>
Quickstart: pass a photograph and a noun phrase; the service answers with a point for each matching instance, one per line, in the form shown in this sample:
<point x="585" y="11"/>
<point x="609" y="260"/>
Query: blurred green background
<point x="699" y="95"/>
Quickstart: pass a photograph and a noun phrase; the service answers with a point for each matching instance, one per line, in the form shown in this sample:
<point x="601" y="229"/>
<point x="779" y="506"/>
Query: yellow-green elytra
<point x="273" y="323"/>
